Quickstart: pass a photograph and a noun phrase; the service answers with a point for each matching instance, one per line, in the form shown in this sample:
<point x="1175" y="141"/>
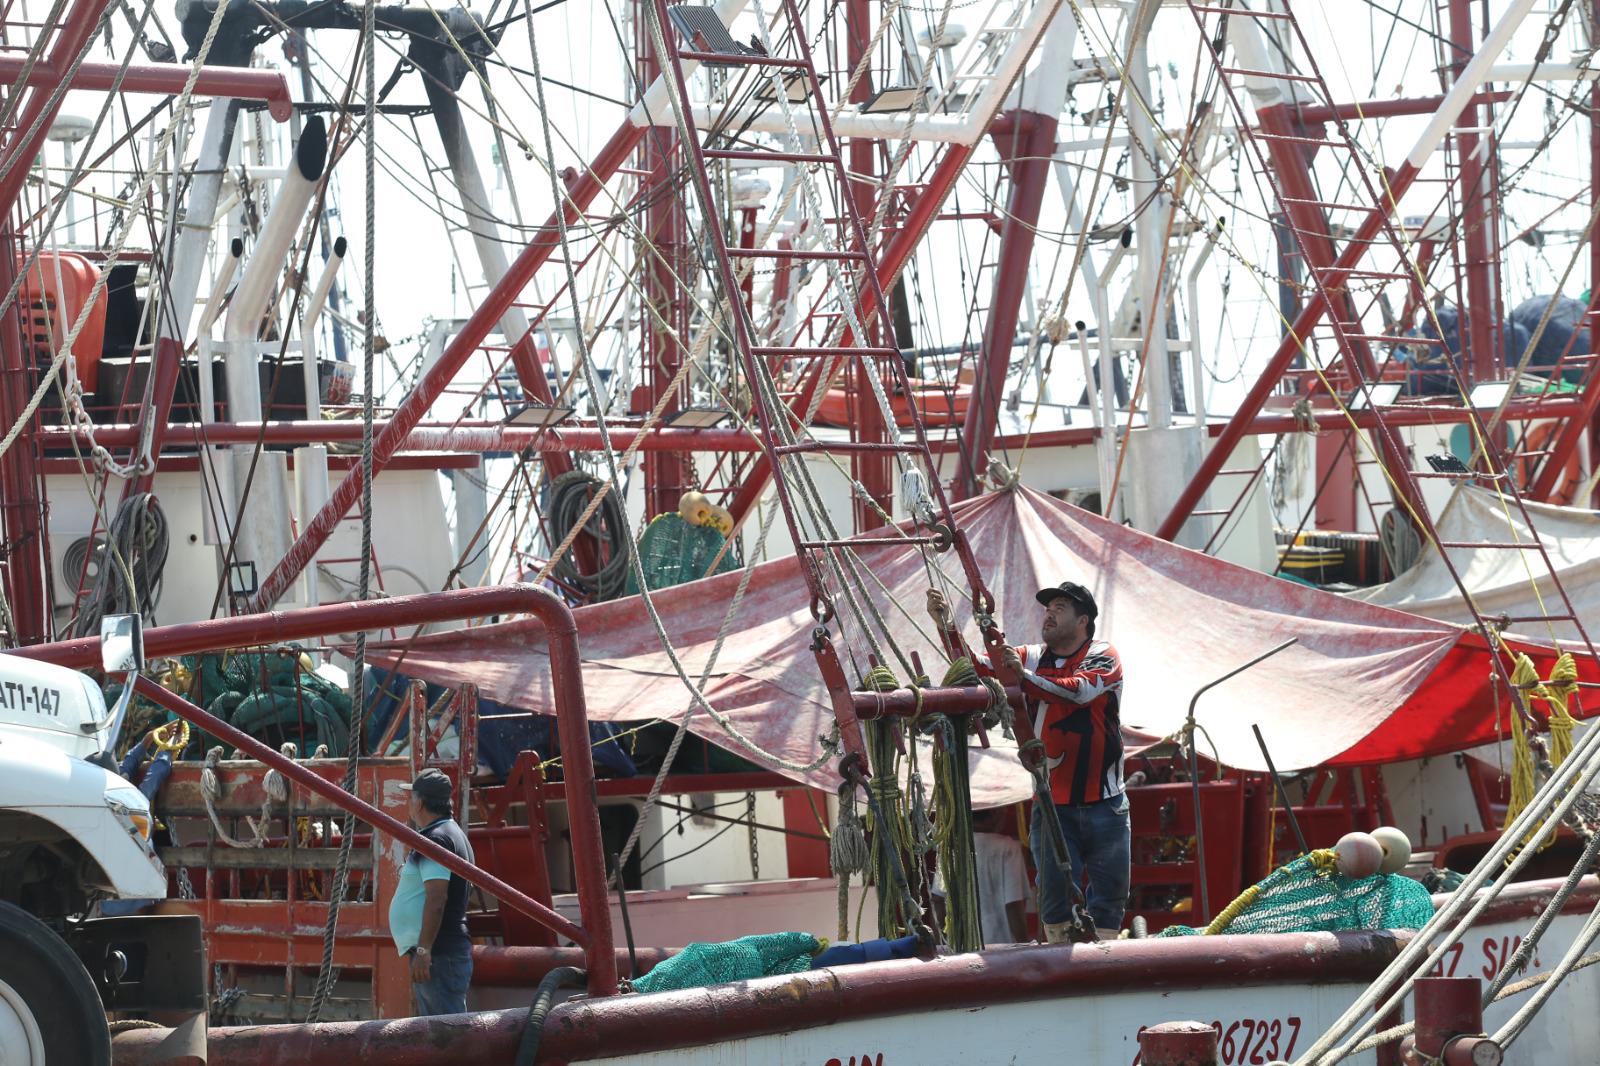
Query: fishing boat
<point x="612" y="480"/>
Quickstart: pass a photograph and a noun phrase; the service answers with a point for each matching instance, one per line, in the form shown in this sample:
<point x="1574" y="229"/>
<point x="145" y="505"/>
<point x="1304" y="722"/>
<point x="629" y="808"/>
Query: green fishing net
<point x="1308" y="896"/>
<point x="763" y="955"/>
<point x="672" y="552"/>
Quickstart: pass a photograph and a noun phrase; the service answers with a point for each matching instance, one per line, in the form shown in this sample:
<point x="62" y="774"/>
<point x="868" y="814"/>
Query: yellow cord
<point x="173" y="737"/>
<point x="1557" y="692"/>
<point x="1231" y="911"/>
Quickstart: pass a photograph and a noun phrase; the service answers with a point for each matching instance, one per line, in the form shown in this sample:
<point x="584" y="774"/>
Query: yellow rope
<point x="1557" y="693"/>
<point x="1232" y="910"/>
<point x="1524" y="679"/>
<point x="961" y="674"/>
<point x="173" y="737"/>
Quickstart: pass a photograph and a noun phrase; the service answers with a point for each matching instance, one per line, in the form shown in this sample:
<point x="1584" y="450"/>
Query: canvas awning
<point x="1506" y="582"/>
<point x="1365" y="684"/>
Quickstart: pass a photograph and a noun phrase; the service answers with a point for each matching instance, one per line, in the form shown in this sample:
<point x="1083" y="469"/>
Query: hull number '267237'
<point x="1252" y="1041"/>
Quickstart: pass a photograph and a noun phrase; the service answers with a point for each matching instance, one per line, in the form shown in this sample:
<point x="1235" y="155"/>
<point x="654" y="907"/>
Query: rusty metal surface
<point x="525" y="967"/>
<point x="1178" y="1044"/>
<point x="615" y="1026"/>
<point x="571" y="722"/>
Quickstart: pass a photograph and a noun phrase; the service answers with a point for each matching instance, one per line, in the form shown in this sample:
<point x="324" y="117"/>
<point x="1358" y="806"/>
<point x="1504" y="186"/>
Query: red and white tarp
<point x="1364" y="684"/>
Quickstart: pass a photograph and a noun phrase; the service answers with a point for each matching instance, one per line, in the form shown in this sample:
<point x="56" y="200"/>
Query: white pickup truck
<point x="72" y="834"/>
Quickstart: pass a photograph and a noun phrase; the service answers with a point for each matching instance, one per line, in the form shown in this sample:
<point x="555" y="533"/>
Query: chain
<point x="750" y="821"/>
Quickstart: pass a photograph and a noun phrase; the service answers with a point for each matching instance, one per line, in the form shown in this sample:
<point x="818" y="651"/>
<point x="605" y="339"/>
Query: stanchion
<point x="1449" y="1025"/>
<point x="1178" y="1044"/>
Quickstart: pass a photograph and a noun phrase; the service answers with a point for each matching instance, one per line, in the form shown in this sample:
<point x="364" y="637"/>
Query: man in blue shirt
<point x="428" y="914"/>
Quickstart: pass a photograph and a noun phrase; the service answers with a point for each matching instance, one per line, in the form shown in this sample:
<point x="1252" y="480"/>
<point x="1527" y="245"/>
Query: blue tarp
<point x="1430" y="373"/>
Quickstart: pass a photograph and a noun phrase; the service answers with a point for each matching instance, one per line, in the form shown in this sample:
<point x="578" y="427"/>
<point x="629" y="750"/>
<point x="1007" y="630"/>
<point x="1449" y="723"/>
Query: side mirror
<point x="121" y="644"/>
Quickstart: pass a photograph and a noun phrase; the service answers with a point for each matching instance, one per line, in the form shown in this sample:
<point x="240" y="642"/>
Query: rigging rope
<point x="326" y="974"/>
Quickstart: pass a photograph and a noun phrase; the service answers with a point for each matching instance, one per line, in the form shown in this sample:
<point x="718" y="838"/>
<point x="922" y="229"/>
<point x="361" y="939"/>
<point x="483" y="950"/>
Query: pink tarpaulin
<point x="1365" y="684"/>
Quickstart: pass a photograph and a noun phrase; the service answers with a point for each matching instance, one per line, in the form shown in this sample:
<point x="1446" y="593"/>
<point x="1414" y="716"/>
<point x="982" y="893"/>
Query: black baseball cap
<point x="1081" y="597"/>
<point x="431" y="785"/>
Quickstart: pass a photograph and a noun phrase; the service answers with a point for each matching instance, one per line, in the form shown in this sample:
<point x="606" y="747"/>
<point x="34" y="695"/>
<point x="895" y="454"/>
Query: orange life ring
<point x="938" y="405"/>
<point x="1537" y="441"/>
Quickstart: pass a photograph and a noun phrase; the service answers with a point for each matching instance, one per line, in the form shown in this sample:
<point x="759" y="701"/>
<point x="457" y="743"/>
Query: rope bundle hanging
<point x="847" y="852"/>
<point x="889" y="818"/>
<point x="958" y="861"/>
<point x="1556" y="692"/>
<point x="564" y="510"/>
<point x="128" y="567"/>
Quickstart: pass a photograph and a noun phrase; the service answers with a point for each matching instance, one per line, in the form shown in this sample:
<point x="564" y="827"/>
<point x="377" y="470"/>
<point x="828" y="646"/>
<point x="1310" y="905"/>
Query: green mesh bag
<point x="763" y="955"/>
<point x="1308" y="896"/>
<point x="672" y="552"/>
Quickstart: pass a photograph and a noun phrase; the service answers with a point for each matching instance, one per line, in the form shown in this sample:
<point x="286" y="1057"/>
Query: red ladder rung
<point x="1290" y="138"/>
<point x="792" y="350"/>
<point x="790" y="253"/>
<point x="773" y="155"/>
<point x="844" y="446"/>
<point x="1327" y="204"/>
<point x="1240" y="11"/>
<point x="744" y="59"/>
<point x="1386" y="338"/>
<point x="1514" y="619"/>
<point x="1507" y="545"/>
<point x="1247" y="73"/>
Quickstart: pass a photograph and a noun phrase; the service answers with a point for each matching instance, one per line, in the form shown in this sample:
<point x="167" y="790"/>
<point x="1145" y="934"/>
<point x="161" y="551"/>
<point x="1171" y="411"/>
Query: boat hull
<point x="1270" y="996"/>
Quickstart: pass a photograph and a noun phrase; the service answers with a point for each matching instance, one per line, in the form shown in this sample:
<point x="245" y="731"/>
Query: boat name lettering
<point x="1251" y="1041"/>
<point x="1495" y="953"/>
<point x="858" y="1060"/>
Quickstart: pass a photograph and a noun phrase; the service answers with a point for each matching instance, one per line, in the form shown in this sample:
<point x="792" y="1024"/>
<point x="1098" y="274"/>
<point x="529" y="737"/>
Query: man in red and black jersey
<point x="1074" y="687"/>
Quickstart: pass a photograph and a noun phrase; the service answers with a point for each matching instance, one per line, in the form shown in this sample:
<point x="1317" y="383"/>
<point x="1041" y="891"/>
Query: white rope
<point x="1391" y="987"/>
<point x="560" y="198"/>
<point x="1518" y="1022"/>
<point x="211" y="792"/>
<point x="180" y="109"/>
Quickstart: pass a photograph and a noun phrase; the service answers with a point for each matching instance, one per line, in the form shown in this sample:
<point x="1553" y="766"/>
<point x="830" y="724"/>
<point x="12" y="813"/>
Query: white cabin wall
<point x="191" y="574"/>
<point x="1432" y="799"/>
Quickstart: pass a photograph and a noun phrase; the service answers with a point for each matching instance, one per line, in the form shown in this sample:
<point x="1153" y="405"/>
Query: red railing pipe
<point x="472" y="438"/>
<point x="40" y="111"/>
<point x="1312" y="114"/>
<point x="466" y="343"/>
<point x="475" y="438"/>
<point x="162" y="78"/>
<point x="895" y="256"/>
<point x="703" y="1018"/>
<point x="1026" y="141"/>
<point x="572" y="724"/>
<point x="908" y="703"/>
<point x="1267" y="381"/>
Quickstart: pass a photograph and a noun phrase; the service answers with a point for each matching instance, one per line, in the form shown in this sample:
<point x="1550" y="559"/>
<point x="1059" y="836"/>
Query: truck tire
<point x="50" y="1013"/>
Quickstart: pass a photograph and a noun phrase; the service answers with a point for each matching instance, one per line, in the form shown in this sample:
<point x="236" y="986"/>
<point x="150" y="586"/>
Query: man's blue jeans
<point x="1097" y="843"/>
<point x="155" y="775"/>
<point x="445" y="990"/>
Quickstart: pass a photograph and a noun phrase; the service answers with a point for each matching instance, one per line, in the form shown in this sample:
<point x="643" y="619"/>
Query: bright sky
<point x="1366" y="55"/>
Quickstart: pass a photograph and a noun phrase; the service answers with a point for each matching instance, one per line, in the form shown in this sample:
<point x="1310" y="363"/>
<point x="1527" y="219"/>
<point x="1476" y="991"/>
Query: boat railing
<point x="594" y="934"/>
